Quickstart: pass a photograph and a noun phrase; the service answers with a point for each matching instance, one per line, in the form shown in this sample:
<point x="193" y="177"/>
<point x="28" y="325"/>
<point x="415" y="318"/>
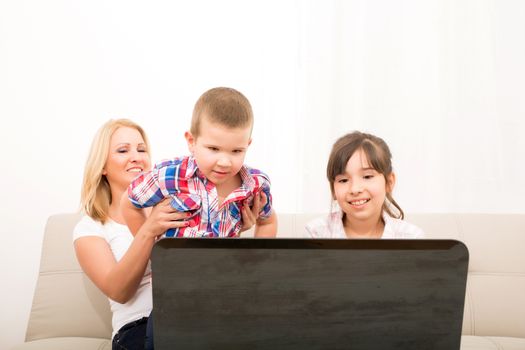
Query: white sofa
<point x="69" y="312"/>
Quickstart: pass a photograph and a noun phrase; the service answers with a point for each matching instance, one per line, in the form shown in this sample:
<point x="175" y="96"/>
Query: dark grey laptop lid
<point x="308" y="294"/>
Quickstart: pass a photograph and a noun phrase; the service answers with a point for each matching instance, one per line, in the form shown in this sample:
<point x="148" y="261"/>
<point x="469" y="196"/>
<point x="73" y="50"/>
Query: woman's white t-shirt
<point x="119" y="239"/>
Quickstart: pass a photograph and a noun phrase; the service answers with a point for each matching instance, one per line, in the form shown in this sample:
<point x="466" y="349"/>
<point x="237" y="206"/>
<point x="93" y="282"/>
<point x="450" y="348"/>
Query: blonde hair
<point x="222" y="105"/>
<point x="95" y="197"/>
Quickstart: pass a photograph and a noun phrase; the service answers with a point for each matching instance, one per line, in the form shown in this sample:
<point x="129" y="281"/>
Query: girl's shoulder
<point x="398" y="228"/>
<point x="315" y="226"/>
<point x="328" y="226"/>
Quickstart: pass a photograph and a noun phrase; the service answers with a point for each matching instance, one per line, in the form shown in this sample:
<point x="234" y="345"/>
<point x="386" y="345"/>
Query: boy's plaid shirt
<point x="191" y="191"/>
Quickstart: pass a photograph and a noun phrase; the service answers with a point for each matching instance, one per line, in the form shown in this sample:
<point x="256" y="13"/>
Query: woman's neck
<point x="372" y="228"/>
<point x="114" y="208"/>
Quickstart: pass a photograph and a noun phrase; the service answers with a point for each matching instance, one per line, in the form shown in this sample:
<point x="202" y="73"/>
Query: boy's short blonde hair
<point x="222" y="105"/>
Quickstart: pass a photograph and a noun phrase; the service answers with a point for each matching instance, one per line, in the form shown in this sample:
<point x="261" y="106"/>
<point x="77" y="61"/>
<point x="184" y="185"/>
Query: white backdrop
<point x="442" y="81"/>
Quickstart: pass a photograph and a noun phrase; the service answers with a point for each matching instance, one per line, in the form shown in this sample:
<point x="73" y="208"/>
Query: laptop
<point x="246" y="293"/>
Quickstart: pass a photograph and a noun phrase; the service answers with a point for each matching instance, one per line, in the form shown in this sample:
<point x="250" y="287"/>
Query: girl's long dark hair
<point x="378" y="155"/>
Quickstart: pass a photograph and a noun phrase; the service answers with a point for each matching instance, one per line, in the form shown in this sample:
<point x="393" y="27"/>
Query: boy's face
<point x="219" y="150"/>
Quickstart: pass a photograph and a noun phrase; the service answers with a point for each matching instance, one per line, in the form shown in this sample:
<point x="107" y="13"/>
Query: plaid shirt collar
<point x="248" y="183"/>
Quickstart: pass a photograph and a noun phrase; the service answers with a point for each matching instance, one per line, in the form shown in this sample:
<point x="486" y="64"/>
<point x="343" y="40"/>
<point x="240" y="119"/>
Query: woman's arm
<point x="120" y="280"/>
<point x="134" y="217"/>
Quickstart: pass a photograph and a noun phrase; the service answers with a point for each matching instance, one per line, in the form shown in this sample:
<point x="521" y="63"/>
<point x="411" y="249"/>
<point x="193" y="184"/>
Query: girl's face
<point x="360" y="191"/>
<point x="127" y="157"/>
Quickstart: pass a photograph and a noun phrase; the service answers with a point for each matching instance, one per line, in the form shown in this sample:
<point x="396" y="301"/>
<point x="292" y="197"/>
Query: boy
<point x="212" y="185"/>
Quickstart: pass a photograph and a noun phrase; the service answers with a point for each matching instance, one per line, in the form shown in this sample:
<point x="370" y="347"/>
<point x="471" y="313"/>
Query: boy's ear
<point x="390" y="182"/>
<point x="190" y="140"/>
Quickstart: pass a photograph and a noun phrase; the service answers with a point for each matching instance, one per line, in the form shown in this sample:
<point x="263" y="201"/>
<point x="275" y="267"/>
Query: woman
<point x="116" y="262"/>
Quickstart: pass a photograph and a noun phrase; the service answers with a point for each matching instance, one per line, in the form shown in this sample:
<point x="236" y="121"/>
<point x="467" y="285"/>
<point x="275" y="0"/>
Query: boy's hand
<point x="250" y="215"/>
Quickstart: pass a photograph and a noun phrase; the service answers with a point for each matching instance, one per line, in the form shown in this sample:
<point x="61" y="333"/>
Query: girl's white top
<point x="331" y="226"/>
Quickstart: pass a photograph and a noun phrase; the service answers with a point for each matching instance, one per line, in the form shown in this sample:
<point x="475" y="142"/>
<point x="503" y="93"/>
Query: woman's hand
<point x="250" y="215"/>
<point x="161" y="218"/>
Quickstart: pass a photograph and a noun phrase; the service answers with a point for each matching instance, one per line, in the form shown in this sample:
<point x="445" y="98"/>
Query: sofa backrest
<point x="66" y="303"/>
<point x="495" y="301"/>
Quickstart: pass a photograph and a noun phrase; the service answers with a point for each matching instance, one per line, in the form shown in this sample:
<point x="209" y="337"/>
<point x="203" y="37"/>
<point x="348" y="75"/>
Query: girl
<point x="359" y="171"/>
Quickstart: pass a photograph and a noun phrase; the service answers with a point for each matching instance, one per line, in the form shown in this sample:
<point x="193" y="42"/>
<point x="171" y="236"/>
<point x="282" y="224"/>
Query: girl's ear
<point x="390" y="182"/>
<point x="190" y="140"/>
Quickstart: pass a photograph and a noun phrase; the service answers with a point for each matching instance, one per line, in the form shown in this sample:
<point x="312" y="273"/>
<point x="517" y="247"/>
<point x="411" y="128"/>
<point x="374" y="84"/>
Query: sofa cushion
<point x="66" y="303"/>
<point x="66" y="343"/>
<point x="469" y="342"/>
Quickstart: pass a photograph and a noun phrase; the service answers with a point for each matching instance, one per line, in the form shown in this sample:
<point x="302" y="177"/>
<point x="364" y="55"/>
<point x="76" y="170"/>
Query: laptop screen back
<point x="308" y="294"/>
